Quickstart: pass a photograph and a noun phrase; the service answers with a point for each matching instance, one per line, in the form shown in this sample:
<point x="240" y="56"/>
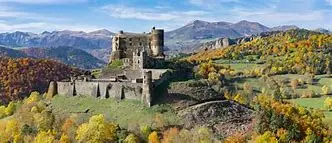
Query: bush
<point x="2" y="112"/>
<point x="153" y="137"/>
<point x="267" y="137"/>
<point x="115" y="64"/>
<point x="45" y="137"/>
<point x="325" y="90"/>
<point x="146" y="131"/>
<point x="328" y="103"/>
<point x="294" y="83"/>
<point x="131" y="138"/>
<point x="11" y="108"/>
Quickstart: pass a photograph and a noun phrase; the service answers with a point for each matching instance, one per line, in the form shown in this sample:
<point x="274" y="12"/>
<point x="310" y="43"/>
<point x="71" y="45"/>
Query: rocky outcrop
<point x="220" y="43"/>
<point x="195" y="91"/>
<point x="224" y="117"/>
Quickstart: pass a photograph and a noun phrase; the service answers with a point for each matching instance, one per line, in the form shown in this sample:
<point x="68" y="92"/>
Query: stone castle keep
<point x="124" y="44"/>
<point x="136" y="80"/>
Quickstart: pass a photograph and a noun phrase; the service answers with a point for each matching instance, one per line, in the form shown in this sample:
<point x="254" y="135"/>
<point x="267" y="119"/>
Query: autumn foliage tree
<point x="96" y="130"/>
<point x="286" y="122"/>
<point x="19" y="77"/>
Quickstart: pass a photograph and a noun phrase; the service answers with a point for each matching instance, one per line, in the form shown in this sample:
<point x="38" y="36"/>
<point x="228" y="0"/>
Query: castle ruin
<point x="125" y="44"/>
<point x="137" y="80"/>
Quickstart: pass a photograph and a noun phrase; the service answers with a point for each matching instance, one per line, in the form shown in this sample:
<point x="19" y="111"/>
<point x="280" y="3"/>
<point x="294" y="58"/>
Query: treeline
<point x="19" y="77"/>
<point x="298" y="51"/>
<point x="32" y="121"/>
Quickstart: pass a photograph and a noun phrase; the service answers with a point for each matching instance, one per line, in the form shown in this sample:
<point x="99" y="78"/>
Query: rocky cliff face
<point x="225" y="42"/>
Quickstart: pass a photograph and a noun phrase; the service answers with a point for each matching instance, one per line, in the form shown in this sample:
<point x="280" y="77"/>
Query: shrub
<point x="131" y="138"/>
<point x="294" y="83"/>
<point x="153" y="137"/>
<point x="44" y="120"/>
<point x="64" y="139"/>
<point x="45" y="137"/>
<point x="328" y="103"/>
<point x="171" y="135"/>
<point x="115" y="64"/>
<point x="325" y="90"/>
<point x="33" y="98"/>
<point x="2" y="111"/>
<point x="146" y="131"/>
<point x="267" y="137"/>
<point x="239" y="98"/>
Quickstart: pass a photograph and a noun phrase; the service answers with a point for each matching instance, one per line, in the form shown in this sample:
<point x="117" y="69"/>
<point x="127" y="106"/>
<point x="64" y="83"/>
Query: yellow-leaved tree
<point x="153" y="137"/>
<point x="45" y="137"/>
<point x="267" y="137"/>
<point x="328" y="103"/>
<point x="96" y="130"/>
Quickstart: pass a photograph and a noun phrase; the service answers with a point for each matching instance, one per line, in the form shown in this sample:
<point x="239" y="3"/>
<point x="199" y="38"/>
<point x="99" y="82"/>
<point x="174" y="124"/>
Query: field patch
<point x="315" y="103"/>
<point x="123" y="112"/>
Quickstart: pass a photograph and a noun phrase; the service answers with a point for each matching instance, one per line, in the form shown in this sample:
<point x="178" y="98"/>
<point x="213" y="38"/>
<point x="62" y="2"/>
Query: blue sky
<point x="141" y="15"/>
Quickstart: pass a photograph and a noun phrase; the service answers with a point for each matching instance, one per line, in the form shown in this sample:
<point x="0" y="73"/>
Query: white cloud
<point x="42" y="1"/>
<point x="41" y="26"/>
<point x="124" y="12"/>
<point x="272" y="16"/>
<point x="10" y="12"/>
<point x="211" y="3"/>
<point x="329" y="2"/>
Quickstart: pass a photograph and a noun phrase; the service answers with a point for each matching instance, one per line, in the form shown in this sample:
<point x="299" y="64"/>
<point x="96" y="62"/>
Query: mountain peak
<point x="102" y="32"/>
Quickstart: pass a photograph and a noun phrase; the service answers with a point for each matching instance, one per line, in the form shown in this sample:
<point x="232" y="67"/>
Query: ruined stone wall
<point x="117" y="90"/>
<point x="65" y="88"/>
<point x="87" y="88"/>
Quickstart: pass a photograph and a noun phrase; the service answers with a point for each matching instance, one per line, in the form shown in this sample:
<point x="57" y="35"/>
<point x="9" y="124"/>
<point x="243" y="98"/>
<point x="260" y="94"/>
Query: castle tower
<point x="52" y="89"/>
<point x="137" y="60"/>
<point x="116" y="49"/>
<point x="147" y="89"/>
<point x="157" y="42"/>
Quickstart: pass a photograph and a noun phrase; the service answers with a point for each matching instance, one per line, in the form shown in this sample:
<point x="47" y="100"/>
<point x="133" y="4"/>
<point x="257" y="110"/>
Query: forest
<point x="19" y="77"/>
<point x="284" y="79"/>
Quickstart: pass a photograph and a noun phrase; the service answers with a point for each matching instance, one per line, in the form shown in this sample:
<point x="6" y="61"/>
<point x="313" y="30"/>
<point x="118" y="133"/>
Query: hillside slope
<point x="68" y="55"/>
<point x="81" y="40"/>
<point x="6" y="52"/>
<point x="19" y="77"/>
<point x="192" y="35"/>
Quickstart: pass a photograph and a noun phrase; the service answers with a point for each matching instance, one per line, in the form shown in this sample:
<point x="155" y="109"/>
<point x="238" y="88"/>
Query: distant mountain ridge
<point x="67" y="55"/>
<point x="198" y="32"/>
<point x="81" y="40"/>
<point x="185" y="38"/>
<point x="322" y="30"/>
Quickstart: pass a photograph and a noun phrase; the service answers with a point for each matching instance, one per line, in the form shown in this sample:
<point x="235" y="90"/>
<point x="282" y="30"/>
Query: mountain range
<point x="98" y="43"/>
<point x="68" y="55"/>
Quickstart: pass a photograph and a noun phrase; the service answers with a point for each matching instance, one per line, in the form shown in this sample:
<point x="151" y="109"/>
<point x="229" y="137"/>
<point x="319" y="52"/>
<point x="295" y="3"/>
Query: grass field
<point x="123" y="112"/>
<point x="315" y="103"/>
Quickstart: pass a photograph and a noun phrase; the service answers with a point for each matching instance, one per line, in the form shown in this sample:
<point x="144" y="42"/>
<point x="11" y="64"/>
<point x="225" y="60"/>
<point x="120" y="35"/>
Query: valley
<point x="273" y="86"/>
